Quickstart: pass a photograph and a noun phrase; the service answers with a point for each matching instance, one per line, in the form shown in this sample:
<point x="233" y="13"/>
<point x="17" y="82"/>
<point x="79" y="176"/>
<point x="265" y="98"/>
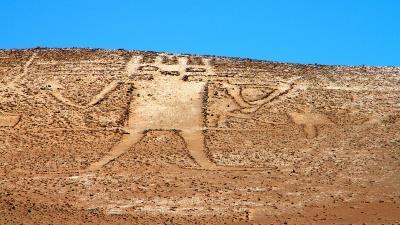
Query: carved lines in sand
<point x="24" y="72"/>
<point x="161" y="65"/>
<point x="222" y="110"/>
<point x="245" y="108"/>
<point x="194" y="142"/>
<point x="55" y="88"/>
<point x="310" y="121"/>
<point x="9" y="120"/>
<point x="167" y="65"/>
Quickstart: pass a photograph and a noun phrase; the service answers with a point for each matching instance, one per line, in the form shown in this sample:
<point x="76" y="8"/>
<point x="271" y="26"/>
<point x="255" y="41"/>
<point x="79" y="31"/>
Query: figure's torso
<point x="167" y="103"/>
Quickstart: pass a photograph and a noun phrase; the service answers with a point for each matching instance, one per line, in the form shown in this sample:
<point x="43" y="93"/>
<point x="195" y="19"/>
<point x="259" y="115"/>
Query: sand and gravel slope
<point x="127" y="137"/>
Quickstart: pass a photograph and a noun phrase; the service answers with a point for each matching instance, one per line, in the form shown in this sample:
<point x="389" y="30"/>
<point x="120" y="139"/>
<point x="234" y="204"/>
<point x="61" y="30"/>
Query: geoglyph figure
<point x="165" y="102"/>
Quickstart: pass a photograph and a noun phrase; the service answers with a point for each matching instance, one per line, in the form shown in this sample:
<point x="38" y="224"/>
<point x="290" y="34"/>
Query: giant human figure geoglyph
<point x="165" y="102"/>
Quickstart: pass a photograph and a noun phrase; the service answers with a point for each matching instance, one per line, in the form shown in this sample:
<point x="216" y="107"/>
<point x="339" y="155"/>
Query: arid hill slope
<point x="128" y="137"/>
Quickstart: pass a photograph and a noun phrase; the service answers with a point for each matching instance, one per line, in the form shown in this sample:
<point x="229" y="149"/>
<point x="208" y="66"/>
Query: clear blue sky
<point x="350" y="32"/>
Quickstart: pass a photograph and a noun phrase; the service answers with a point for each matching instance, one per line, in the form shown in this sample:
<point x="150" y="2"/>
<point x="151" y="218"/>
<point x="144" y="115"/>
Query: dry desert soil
<point x="92" y="136"/>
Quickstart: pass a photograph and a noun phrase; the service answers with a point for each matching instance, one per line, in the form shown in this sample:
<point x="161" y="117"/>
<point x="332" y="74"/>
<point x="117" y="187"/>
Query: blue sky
<point x="349" y="32"/>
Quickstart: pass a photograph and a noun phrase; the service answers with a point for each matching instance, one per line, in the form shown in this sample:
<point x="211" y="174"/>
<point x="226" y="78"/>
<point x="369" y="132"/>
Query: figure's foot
<point x="99" y="164"/>
<point x="127" y="142"/>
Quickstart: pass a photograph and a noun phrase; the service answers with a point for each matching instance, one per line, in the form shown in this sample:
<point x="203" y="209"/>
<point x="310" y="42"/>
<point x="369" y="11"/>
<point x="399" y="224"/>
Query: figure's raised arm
<point x="55" y="88"/>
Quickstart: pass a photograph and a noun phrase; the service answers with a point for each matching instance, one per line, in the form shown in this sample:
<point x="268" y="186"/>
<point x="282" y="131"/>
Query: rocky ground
<point x="126" y="137"/>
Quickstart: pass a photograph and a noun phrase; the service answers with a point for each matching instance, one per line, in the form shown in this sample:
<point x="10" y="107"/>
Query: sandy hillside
<point x="128" y="137"/>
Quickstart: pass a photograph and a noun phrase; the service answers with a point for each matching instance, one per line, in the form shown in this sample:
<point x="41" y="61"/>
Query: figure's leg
<point x="127" y="141"/>
<point x="195" y="145"/>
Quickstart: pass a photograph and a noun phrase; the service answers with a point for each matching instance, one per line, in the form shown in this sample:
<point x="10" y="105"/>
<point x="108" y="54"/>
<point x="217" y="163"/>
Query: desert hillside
<point x="128" y="137"/>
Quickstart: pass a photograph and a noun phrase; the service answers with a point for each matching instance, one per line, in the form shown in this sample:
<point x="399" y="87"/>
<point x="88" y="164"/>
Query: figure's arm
<point x="111" y="87"/>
